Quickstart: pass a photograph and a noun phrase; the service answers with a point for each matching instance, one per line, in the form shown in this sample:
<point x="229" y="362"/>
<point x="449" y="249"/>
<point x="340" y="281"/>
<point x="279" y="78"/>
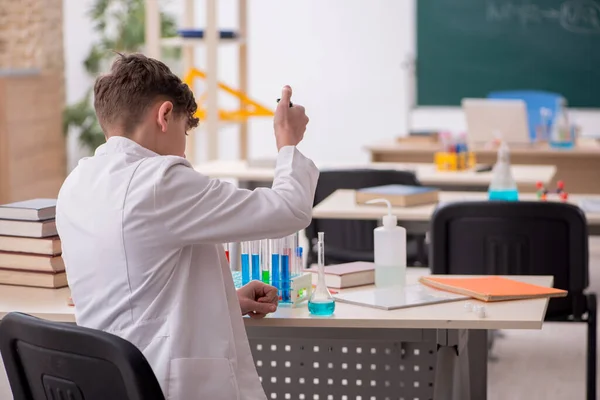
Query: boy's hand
<point x="257" y="299"/>
<point x="290" y="122"/>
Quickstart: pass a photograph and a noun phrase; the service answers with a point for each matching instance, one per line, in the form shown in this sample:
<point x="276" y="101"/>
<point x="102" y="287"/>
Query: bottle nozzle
<point x="389" y="219"/>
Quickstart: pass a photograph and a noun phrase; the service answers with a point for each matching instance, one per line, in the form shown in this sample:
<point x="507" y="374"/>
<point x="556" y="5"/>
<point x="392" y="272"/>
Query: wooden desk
<point x="341" y="205"/>
<point x="290" y="342"/>
<point x="51" y="304"/>
<point x="526" y="176"/>
<point x="577" y="167"/>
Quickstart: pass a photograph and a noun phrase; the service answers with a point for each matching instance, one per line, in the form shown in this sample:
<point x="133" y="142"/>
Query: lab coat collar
<point x="121" y="144"/>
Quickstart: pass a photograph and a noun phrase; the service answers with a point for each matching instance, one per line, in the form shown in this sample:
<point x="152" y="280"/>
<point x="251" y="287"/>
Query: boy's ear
<point x="165" y="115"/>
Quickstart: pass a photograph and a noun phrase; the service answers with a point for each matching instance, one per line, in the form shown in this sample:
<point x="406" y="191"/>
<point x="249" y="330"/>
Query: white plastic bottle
<point x="503" y="185"/>
<point x="390" y="250"/>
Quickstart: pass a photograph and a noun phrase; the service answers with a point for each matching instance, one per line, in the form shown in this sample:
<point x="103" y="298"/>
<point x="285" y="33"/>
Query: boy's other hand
<point x="290" y="122"/>
<point x="257" y="299"/>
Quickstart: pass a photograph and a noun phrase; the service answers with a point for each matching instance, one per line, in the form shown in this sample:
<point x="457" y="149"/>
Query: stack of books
<point x="30" y="249"/>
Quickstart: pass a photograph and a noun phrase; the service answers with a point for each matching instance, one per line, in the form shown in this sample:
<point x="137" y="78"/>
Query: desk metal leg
<point x="461" y="368"/>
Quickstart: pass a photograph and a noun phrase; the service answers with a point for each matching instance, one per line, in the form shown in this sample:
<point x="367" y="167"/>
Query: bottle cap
<point x="389" y="220"/>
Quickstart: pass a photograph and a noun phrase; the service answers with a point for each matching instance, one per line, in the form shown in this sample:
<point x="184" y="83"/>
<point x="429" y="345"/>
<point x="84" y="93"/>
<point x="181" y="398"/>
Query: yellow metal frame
<point x="249" y="108"/>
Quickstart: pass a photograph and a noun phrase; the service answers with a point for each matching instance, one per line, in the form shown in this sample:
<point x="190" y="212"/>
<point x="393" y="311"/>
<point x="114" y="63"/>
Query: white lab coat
<point x="142" y="242"/>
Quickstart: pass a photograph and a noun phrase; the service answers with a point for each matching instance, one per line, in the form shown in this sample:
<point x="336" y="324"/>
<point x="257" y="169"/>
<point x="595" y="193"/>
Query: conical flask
<point x="321" y="302"/>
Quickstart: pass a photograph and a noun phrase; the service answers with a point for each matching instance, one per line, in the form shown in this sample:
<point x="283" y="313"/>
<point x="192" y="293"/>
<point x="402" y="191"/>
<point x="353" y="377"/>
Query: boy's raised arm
<point x="196" y="209"/>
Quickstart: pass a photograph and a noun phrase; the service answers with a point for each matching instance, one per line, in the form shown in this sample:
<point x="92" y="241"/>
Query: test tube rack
<point x="300" y="289"/>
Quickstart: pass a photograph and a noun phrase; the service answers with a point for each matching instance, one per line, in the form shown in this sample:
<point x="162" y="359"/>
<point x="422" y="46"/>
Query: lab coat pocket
<point x="202" y="378"/>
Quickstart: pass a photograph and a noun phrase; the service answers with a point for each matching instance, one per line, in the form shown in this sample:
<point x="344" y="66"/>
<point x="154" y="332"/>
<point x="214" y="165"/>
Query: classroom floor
<point x="529" y="365"/>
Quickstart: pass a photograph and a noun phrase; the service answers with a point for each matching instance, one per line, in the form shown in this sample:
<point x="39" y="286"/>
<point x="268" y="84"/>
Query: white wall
<point x="343" y="59"/>
<point x="78" y="36"/>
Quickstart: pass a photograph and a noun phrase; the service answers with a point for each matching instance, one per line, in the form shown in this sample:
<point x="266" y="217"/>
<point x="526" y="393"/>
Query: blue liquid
<point x="285" y="278"/>
<point x="255" y="267"/>
<point x="505" y="195"/>
<point x="245" y="269"/>
<point x="276" y="281"/>
<point x="323" y="308"/>
<point x="562" y="145"/>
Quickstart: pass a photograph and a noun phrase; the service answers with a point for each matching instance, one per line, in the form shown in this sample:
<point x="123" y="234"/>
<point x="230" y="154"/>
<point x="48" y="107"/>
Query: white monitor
<point x="492" y="119"/>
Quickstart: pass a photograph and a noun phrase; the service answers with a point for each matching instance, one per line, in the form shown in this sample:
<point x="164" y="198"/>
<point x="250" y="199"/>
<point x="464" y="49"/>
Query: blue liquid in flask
<point x="285" y="278"/>
<point x="325" y="307"/>
<point x="245" y="269"/>
<point x="256" y="267"/>
<point x="505" y="195"/>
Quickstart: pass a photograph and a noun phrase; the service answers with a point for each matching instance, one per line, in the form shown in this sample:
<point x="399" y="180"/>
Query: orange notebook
<point x="491" y="288"/>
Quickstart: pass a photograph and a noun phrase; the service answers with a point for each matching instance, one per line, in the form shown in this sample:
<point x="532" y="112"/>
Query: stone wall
<point x="32" y="144"/>
<point x="31" y="35"/>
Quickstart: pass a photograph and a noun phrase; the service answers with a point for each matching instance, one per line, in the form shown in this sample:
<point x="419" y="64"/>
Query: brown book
<point x="346" y="275"/>
<point x="50" y="246"/>
<point x="33" y="279"/>
<point x="399" y="195"/>
<point x="31" y="229"/>
<point x="31" y="262"/>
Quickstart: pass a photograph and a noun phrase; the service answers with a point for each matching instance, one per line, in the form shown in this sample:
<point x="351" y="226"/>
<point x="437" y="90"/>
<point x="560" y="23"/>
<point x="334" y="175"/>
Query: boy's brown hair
<point x="133" y="84"/>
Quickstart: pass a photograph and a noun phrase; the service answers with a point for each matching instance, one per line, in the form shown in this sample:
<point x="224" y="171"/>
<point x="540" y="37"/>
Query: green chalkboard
<point x="468" y="48"/>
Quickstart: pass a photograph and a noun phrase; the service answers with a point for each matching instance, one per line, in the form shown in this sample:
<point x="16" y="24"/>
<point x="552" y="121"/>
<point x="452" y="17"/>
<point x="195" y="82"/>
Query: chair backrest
<point x="535" y="101"/>
<point x="350" y="240"/>
<point x="54" y="360"/>
<point x="514" y="238"/>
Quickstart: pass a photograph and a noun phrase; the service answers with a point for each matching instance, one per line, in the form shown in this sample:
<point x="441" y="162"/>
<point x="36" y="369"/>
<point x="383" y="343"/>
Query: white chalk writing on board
<point x="577" y="16"/>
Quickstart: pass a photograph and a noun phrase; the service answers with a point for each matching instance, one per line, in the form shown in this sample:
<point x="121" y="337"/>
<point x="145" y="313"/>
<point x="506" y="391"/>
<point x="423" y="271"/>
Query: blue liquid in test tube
<point x="256" y="267"/>
<point x="285" y="277"/>
<point x="245" y="263"/>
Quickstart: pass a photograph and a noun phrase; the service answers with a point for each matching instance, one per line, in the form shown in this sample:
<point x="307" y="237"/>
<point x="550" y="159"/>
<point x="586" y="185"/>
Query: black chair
<point x="52" y="360"/>
<point x="521" y="238"/>
<point x="352" y="240"/>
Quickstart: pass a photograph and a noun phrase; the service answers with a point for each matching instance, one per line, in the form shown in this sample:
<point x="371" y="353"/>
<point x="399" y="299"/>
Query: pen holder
<point x="454" y="161"/>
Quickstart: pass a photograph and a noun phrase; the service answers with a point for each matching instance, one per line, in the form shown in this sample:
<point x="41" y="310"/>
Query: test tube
<point x="299" y="261"/>
<point x="245" y="262"/>
<point x="226" y="246"/>
<point x="264" y="257"/>
<point x="256" y="260"/>
<point x="275" y="258"/>
<point x="287" y="261"/>
<point x="295" y="263"/>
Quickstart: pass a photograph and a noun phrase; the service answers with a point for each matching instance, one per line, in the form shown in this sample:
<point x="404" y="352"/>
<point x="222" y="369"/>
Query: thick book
<point x="399" y="195"/>
<point x="346" y="275"/>
<point x="31" y="262"/>
<point x="492" y="288"/>
<point x="32" y="229"/>
<point x="50" y="246"/>
<point x="394" y="298"/>
<point x="33" y="279"/>
<point x="29" y="210"/>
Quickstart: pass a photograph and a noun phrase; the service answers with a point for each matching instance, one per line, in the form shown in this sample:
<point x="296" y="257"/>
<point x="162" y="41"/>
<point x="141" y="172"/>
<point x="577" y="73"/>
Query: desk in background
<point x="577" y="167"/>
<point x="526" y="176"/>
<point x="342" y="205"/>
<point x="360" y="351"/>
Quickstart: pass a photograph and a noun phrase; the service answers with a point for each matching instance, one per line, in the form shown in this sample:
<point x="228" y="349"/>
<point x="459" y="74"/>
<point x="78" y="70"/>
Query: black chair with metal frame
<point x="522" y="238"/>
<point x="54" y="360"/>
